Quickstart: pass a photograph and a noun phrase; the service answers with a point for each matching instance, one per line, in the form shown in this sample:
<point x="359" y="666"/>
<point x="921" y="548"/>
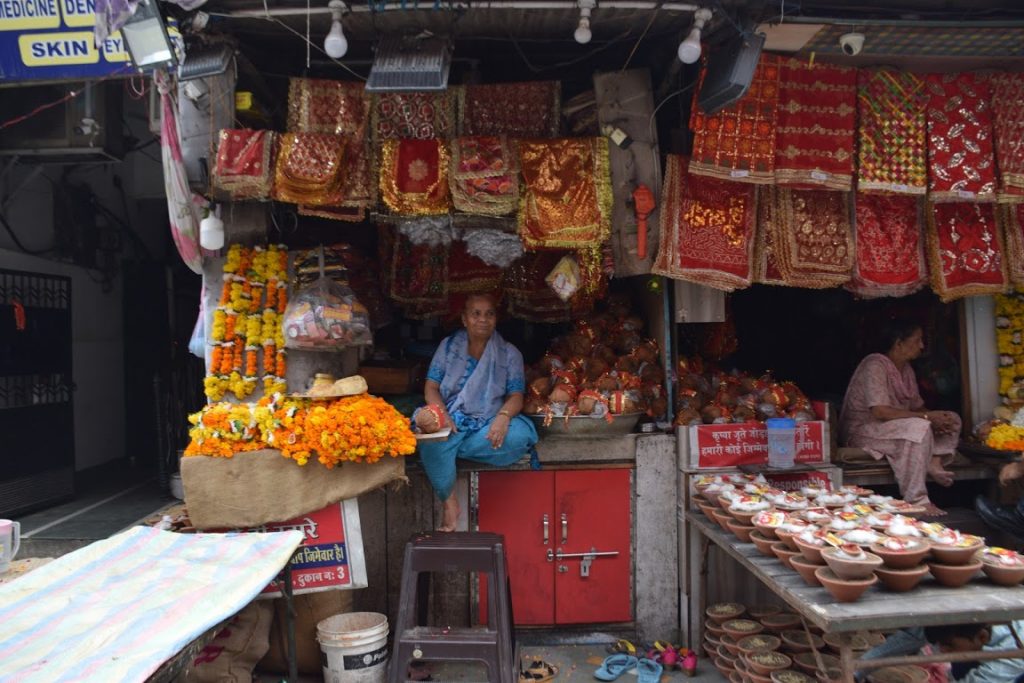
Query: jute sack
<point x="254" y="488"/>
<point x="232" y="655"/>
<point x="310" y="610"/>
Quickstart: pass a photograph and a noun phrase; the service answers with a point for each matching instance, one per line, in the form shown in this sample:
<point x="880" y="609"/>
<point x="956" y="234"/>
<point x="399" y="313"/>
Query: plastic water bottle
<point x="781" y="442"/>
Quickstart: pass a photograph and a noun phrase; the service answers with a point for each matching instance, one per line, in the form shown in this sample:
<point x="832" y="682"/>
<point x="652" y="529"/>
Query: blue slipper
<point x="614" y="666"/>
<point x="648" y="671"/>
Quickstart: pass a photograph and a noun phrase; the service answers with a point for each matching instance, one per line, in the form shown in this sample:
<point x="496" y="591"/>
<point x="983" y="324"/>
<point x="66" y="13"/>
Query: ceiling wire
<point x="647" y="28"/>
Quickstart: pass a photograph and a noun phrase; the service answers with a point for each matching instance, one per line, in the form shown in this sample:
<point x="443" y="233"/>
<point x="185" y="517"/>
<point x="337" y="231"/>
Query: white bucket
<point x="355" y="647"/>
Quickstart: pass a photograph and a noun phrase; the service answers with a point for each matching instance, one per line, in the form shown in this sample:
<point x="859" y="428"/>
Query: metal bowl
<point x="586" y="427"/>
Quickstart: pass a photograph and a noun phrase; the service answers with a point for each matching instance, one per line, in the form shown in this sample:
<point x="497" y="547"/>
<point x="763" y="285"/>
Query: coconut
<point x="595" y="368"/>
<point x="579" y="344"/>
<point x="647" y="352"/>
<point x="605" y="353"/>
<point x="540" y="387"/>
<point x="652" y="373"/>
<point x="549" y="363"/>
<point x="430" y="419"/>
<point x="687" y="417"/>
<point x="563" y="393"/>
<point x="607" y="383"/>
<point x="587" y="401"/>
<point x="627" y="364"/>
<point x="533" y="405"/>
<point x="620" y="402"/>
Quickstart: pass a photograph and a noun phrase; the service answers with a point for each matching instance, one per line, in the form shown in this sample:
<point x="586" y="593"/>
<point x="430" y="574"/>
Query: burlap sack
<point x="232" y="655"/>
<point x="310" y="610"/>
<point x="259" y="487"/>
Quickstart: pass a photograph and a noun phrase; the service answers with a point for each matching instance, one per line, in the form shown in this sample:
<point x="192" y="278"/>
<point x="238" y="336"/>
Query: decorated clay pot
<point x="1002" y="569"/>
<point x="812" y="553"/>
<point x="430" y="419"/>
<point x="844" y="590"/>
<point x="901" y="580"/>
<point x="850" y="567"/>
<point x="954" y="575"/>
<point x="957" y="554"/>
<point x="742" y="531"/>
<point x="903" y="553"/>
<point x="805" y="569"/>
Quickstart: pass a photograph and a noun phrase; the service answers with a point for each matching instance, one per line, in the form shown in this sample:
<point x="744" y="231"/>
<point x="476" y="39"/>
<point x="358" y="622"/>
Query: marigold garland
<point x="1010" y="344"/>
<point x="360" y="428"/>
<point x="1006" y="437"/>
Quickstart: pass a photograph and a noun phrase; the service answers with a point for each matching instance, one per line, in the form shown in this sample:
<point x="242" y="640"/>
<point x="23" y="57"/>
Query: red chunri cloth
<point x="766" y="267"/>
<point x="1008" y="113"/>
<point x="1013" y="223"/>
<point x="413" y="115"/>
<point x="707" y="229"/>
<point x="810" y="236"/>
<point x="738" y="142"/>
<point x="961" y="159"/>
<point x="322" y="106"/>
<point x="245" y="163"/>
<point x="817" y="121"/>
<point x="892" y="134"/>
<point x="965" y="251"/>
<point x="890" y="253"/>
<point x="519" y="110"/>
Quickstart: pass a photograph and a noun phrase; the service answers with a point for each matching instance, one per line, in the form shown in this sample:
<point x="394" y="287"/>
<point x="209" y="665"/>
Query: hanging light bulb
<point x="335" y="44"/>
<point x="690" y="49"/>
<point x="582" y="34"/>
<point x="211" y="230"/>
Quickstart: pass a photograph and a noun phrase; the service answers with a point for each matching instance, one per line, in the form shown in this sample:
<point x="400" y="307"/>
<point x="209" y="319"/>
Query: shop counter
<point x="878" y="609"/>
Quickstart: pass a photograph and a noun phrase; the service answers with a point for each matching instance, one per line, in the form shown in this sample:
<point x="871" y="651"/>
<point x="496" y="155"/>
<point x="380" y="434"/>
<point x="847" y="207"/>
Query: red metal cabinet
<point x="567" y="513"/>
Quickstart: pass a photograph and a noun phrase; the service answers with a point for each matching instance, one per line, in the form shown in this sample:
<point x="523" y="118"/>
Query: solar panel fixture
<point x="205" y="61"/>
<point x="419" y="62"/>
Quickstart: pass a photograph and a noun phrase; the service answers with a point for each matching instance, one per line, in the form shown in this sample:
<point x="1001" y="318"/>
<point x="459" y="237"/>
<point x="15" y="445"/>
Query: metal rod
<point x="515" y="4"/>
<point x="980" y="655"/>
<point x="916" y="23"/>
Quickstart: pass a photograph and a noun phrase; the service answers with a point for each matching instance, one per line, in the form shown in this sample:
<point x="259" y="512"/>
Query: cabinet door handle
<point x="546" y="525"/>
<point x="565" y="528"/>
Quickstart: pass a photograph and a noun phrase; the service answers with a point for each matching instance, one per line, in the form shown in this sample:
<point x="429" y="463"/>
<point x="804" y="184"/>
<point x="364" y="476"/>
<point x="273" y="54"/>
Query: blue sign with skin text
<point x="53" y="40"/>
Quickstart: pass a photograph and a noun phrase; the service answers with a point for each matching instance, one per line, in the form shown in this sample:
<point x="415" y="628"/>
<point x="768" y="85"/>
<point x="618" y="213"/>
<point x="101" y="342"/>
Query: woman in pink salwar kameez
<point x="884" y="414"/>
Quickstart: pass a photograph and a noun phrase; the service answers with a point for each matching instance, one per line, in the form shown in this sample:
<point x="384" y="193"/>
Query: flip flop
<point x="539" y="671"/>
<point x="648" y="671"/>
<point x="622" y="646"/>
<point x="614" y="666"/>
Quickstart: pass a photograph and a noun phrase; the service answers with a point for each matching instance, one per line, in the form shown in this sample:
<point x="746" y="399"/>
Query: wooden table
<point x="878" y="609"/>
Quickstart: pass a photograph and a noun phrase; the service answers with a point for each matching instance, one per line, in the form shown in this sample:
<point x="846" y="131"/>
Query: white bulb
<point x="211" y="233"/>
<point x="335" y="44"/>
<point x="582" y="33"/>
<point x="689" y="49"/>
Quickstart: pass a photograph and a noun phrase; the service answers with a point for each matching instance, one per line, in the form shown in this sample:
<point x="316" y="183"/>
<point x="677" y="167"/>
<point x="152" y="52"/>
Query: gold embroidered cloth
<point x="566" y="196"/>
<point x="308" y="169"/>
<point x="245" y="163"/>
<point x="414" y="176"/>
<point x="484" y="175"/>
<point x="811" y="236"/>
<point x="890" y="250"/>
<point x="1008" y="114"/>
<point x="961" y="158"/>
<point x="965" y="250"/>
<point x="413" y="115"/>
<point x="1013" y="223"/>
<point x="892" y="133"/>
<point x="520" y="110"/>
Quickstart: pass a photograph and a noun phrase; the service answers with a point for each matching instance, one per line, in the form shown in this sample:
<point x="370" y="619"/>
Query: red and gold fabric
<point x="817" y="125"/>
<point x="323" y="106"/>
<point x="244" y="167"/>
<point x="413" y="115"/>
<point x="530" y="297"/>
<point x="892" y="137"/>
<point x="468" y="274"/>
<point x="308" y="169"/>
<point x="518" y="110"/>
<point x="961" y="156"/>
<point x="1013" y="224"/>
<point x="890" y="250"/>
<point x="965" y="250"/>
<point x="414" y="176"/>
<point x="766" y="269"/>
<point x="356" y="191"/>
<point x="707" y="229"/>
<point x="419" y="273"/>
<point x="1008" y="114"/>
<point x="484" y="175"/>
<point x="811" y="236"/>
<point x="738" y="142"/>
<point x="565" y="201"/>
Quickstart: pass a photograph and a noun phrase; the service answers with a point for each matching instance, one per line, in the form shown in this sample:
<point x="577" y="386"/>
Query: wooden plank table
<point x="878" y="609"/>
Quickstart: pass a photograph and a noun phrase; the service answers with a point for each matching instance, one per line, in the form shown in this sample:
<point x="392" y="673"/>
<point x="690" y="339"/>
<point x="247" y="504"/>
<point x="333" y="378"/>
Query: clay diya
<point x="789" y="529"/>
<point x="806" y="662"/>
<point x="723" y="518"/>
<point x="759" y="612"/>
<point x="805" y="568"/>
<point x="903" y="527"/>
<point x="1003" y="567"/>
<point x="707" y="509"/>
<point x="955" y="548"/>
<point x="862" y="536"/>
<point x="791" y="676"/>
<point x="784" y="553"/>
<point x="901" y="553"/>
<point x="760" y="642"/>
<point x="816" y="515"/>
<point x="726" y="652"/>
<point x="767" y="522"/>
<point x="851" y="562"/>
<point x="795" y="640"/>
<point x="810" y="545"/>
<point x="898" y="674"/>
<point x="903" y="579"/>
<point x="745" y="507"/>
<point x="764" y="663"/>
<point x="954" y="575"/>
<point x="778" y="623"/>
<point x="858" y="641"/>
<point x="764" y="545"/>
<point x="844" y="590"/>
<point x="741" y="628"/>
<point x="741" y="531"/>
<point x="722" y="612"/>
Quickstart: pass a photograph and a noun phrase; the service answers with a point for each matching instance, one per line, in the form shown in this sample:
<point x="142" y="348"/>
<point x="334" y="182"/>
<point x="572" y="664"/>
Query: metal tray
<point x="586" y="427"/>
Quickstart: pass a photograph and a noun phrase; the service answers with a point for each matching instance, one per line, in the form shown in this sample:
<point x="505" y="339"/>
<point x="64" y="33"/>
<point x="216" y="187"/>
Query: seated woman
<point x="477" y="378"/>
<point x="884" y="414"/>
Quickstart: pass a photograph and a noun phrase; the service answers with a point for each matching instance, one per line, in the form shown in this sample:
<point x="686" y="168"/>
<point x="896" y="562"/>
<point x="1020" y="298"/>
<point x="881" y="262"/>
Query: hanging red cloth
<point x="890" y="250"/>
<point x="961" y="157"/>
<point x="965" y="250"/>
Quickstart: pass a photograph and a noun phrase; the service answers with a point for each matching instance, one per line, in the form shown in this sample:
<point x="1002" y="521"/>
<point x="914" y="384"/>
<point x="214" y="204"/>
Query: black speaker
<point x="729" y="72"/>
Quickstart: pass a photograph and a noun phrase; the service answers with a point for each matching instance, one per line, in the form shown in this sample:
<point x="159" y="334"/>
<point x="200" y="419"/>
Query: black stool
<point x="493" y="644"/>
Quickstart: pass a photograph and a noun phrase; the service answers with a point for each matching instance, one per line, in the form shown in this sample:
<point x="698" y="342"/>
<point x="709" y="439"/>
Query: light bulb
<point x="335" y="44"/>
<point x="689" y="49"/>
<point x="211" y="232"/>
<point x="582" y="33"/>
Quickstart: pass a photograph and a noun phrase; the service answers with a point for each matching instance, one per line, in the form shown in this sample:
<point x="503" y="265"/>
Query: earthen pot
<point x="737" y="677"/>
<point x="859" y="641"/>
<point x="767" y="530"/>
<point x="722" y="612"/>
<point x="811" y="553"/>
<point x="898" y="674"/>
<point x="777" y="623"/>
<point x="723" y="518"/>
<point x="844" y="590"/>
<point x="764" y="663"/>
<point x="707" y="509"/>
<point x="903" y="559"/>
<point x="759" y="612"/>
<point x="764" y="545"/>
<point x="729" y="643"/>
<point x="795" y="640"/>
<point x="832" y="674"/>
<point x="784" y="553"/>
<point x="954" y="575"/>
<point x="850" y="568"/>
<point x="714" y="629"/>
<point x="724" y="502"/>
<point x="805" y="569"/>
<point x="1003" y="575"/>
<point x="758" y="678"/>
<point x="742" y="531"/>
<point x="901" y="580"/>
<point x="741" y="628"/>
<point x="760" y="642"/>
<point x="954" y="555"/>
<point x="725" y="652"/>
<point x="791" y="676"/>
<point x="806" y="662"/>
<point x="745" y="516"/>
<point x="788" y="538"/>
<point x="724" y="667"/>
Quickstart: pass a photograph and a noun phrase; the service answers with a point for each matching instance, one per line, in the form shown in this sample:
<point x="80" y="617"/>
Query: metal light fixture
<point x="205" y="61"/>
<point x="582" y="34"/>
<point x="690" y="49"/>
<point x="404" y="63"/>
<point x="335" y="44"/>
<point x="146" y="37"/>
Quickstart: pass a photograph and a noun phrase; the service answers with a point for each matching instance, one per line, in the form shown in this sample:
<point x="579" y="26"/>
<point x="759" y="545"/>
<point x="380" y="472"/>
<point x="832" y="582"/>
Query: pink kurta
<point x="907" y="443"/>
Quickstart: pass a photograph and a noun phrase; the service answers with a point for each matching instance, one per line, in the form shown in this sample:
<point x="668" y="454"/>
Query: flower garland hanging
<point x="247" y="321"/>
<point x="1010" y="345"/>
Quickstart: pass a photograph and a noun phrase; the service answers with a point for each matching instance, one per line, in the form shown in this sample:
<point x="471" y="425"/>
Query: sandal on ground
<point x="539" y="671"/>
<point x="622" y="646"/>
<point x="614" y="666"/>
<point x="648" y="671"/>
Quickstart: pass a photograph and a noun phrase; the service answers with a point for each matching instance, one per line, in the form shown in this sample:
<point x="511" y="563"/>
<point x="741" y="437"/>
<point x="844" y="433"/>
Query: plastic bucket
<point x="354" y="647"/>
<point x="781" y="442"/>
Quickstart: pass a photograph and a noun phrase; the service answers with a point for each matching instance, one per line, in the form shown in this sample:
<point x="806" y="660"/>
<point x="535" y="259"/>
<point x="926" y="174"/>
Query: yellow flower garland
<point x="1010" y="344"/>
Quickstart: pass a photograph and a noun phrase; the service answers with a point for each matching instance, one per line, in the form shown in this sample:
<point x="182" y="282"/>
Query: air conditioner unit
<point x="86" y="128"/>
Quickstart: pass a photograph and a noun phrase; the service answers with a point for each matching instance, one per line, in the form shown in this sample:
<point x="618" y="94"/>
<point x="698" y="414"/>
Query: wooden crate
<point x="394" y="377"/>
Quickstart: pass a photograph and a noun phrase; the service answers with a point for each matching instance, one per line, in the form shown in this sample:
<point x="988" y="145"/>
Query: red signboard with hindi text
<point x="731" y="445"/>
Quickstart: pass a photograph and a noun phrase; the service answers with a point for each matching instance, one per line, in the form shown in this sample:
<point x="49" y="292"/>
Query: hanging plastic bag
<point x="197" y="342"/>
<point x="326" y="316"/>
<point x="564" y="278"/>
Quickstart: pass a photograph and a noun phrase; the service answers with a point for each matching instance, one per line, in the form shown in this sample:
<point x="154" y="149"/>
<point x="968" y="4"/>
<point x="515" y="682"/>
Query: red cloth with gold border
<point x="890" y="249"/>
<point x="1008" y="114"/>
<point x="892" y="133"/>
<point x="965" y="250"/>
<point x="961" y="157"/>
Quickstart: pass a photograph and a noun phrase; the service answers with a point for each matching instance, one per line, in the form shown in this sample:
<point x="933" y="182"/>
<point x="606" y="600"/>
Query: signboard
<point x="794" y="481"/>
<point x="731" y="445"/>
<point x="53" y="40"/>
<point x="331" y="555"/>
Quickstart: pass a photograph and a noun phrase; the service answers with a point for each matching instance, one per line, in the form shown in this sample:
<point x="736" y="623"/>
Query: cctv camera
<point x="852" y="43"/>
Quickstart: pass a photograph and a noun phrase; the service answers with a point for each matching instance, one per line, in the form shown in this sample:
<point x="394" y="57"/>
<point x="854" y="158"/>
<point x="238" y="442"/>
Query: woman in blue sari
<point x="478" y="379"/>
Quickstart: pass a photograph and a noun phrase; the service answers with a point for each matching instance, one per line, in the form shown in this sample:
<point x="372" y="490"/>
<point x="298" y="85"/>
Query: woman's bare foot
<point x="451" y="514"/>
<point x="930" y="510"/>
<point x="940" y="474"/>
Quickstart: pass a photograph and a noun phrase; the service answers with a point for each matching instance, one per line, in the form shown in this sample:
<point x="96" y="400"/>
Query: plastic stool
<point x="493" y="644"/>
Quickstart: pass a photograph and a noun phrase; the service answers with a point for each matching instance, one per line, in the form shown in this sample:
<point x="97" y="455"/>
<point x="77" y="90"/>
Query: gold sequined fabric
<point x="965" y="250"/>
<point x="484" y="175"/>
<point x="1013" y="224"/>
<point x="891" y="150"/>
<point x="961" y="157"/>
<point x="413" y="115"/>
<point x="308" y="169"/>
<point x="244" y="164"/>
<point x="414" y="177"/>
<point x="521" y="110"/>
<point x="323" y="106"/>
<point x="811" y="236"/>
<point x="566" y="197"/>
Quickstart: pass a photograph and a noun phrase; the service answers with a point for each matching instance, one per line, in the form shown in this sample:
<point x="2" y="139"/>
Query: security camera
<point x="852" y="43"/>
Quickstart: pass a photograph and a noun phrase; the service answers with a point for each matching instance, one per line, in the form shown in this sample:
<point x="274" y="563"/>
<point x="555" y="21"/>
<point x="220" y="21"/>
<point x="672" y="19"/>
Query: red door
<point x="515" y="504"/>
<point x="597" y="510"/>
